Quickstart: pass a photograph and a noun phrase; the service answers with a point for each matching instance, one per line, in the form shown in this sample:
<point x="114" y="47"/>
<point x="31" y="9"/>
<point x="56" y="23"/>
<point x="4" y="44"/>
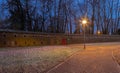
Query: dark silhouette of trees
<point x="17" y="14"/>
<point x="61" y="16"/>
<point x="118" y="31"/>
<point x="21" y="14"/>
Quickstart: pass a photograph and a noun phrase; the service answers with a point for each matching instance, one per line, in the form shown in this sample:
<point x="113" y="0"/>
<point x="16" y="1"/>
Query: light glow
<point x="84" y="21"/>
<point x="98" y="32"/>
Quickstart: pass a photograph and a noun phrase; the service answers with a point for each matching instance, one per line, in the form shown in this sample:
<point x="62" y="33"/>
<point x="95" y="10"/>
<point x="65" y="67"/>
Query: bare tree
<point x="59" y="16"/>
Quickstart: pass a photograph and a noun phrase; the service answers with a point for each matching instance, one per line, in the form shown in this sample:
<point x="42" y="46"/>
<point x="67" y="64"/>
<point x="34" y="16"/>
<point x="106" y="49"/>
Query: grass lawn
<point x="34" y="59"/>
<point x="116" y="54"/>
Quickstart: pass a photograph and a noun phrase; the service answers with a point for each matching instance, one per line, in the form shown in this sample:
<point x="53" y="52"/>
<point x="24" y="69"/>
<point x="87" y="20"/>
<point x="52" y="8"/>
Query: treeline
<point x="61" y="16"/>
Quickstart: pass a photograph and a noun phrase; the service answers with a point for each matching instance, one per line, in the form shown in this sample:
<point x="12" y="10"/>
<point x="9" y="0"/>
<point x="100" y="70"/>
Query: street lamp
<point x="84" y="23"/>
<point x="98" y="32"/>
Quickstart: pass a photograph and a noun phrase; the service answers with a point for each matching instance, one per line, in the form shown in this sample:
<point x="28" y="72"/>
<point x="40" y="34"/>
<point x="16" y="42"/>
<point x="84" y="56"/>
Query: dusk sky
<point x="78" y="10"/>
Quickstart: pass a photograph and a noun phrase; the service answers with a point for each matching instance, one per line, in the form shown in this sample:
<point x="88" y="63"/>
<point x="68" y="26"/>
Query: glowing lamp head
<point x="84" y="21"/>
<point x="98" y="32"/>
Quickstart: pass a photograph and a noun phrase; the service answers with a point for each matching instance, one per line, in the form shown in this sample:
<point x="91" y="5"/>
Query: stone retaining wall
<point x="22" y="39"/>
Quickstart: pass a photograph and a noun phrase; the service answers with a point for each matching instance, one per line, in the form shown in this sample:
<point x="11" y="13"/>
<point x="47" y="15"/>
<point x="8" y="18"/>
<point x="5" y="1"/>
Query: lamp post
<point x="84" y="23"/>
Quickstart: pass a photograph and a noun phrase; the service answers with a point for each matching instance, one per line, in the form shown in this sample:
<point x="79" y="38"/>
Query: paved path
<point x="97" y="58"/>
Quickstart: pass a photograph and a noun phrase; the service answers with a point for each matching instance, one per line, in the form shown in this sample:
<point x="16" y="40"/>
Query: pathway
<point x="97" y="58"/>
